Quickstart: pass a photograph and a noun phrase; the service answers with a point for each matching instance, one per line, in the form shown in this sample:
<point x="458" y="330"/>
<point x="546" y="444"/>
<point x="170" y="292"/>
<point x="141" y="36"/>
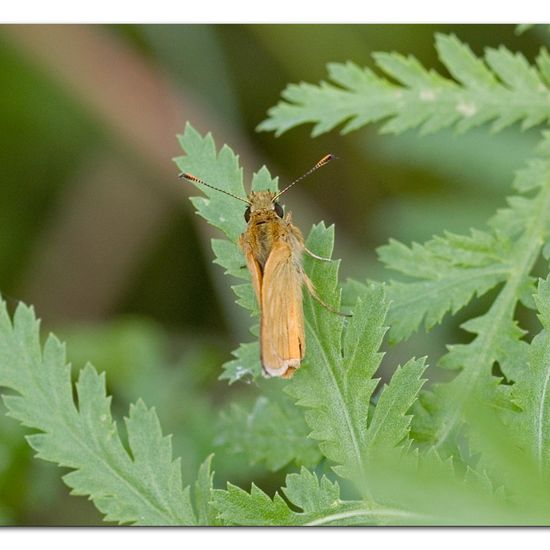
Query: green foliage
<point x="531" y="425"/>
<point x="442" y="276"/>
<point x="318" y="499"/>
<point x="470" y="450"/>
<point x="524" y="229"/>
<point x="450" y="271"/>
<point x="335" y="384"/>
<point x="203" y="491"/>
<point x="337" y="389"/>
<point x="143" y="487"/>
<point x="502" y="88"/>
<point x="447" y="272"/>
<point x="270" y="432"/>
<point x="142" y="484"/>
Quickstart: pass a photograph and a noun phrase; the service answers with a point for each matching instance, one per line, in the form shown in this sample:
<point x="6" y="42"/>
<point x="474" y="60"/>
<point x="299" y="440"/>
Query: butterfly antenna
<point x="325" y="160"/>
<point x="194" y="179"/>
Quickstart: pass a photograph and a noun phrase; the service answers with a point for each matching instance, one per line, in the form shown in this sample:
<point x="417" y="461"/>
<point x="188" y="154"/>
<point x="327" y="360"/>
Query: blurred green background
<point x="96" y="230"/>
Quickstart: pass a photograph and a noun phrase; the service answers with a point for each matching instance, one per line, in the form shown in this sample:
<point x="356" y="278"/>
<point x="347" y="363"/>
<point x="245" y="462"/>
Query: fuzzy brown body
<point x="273" y="249"/>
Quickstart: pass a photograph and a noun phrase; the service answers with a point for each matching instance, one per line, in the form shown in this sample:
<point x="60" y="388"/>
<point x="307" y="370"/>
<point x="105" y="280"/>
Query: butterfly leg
<point x="311" y="289"/>
<point x="313" y="255"/>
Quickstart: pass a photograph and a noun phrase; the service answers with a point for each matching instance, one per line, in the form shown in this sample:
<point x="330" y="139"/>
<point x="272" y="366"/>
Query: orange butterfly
<point x="273" y="249"/>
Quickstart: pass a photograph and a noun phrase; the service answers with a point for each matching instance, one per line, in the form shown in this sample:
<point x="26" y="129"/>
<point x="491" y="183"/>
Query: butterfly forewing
<point x="282" y="322"/>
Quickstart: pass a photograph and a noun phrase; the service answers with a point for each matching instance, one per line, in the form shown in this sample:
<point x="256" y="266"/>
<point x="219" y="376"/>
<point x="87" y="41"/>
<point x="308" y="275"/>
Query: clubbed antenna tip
<point x="325" y="160"/>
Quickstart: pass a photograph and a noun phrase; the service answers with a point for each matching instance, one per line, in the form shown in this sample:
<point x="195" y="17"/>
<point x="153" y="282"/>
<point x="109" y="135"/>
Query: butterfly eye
<point x="279" y="210"/>
<point x="247" y="215"/>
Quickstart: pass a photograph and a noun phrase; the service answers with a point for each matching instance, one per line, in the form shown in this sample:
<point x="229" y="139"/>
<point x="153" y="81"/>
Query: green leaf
<point x="311" y="494"/>
<point x="502" y="88"/>
<point x="531" y="392"/>
<point x="419" y="489"/>
<point x="450" y="270"/>
<point x="237" y="507"/>
<point x="525" y="224"/>
<point x="141" y="486"/>
<point x="514" y="70"/>
<point x="445" y="273"/>
<point x="203" y="491"/>
<point x="337" y="389"/>
<point x="390" y="422"/>
<point x="337" y="410"/>
<point x="245" y="366"/>
<point x="220" y="170"/>
<point x="271" y="432"/>
<point x="463" y="64"/>
<point x="319" y="501"/>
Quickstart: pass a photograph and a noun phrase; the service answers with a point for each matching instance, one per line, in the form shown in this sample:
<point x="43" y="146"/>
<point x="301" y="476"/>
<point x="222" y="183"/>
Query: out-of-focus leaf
<point x="271" y="432"/>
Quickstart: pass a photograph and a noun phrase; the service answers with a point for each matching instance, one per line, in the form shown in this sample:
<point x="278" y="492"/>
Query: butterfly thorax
<point x="264" y="229"/>
<point x="266" y="226"/>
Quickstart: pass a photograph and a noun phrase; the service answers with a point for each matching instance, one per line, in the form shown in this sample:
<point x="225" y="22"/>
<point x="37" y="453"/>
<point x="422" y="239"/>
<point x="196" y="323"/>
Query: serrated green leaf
<point x="319" y="501"/>
<point x="514" y="70"/>
<point x="451" y="271"/>
<point x="390" y="423"/>
<point x="406" y="70"/>
<point x="237" y="507"/>
<point x="245" y="366"/>
<point x="202" y="493"/>
<point x="142" y="488"/>
<point x="461" y="62"/>
<point x="447" y="272"/>
<point x="531" y="392"/>
<point x="220" y="170"/>
<point x="496" y="332"/>
<point x="311" y="494"/>
<point x="505" y="89"/>
<point x="337" y="392"/>
<point x="270" y="432"/>
<point x="543" y="63"/>
<point x="228" y="256"/>
<point x="337" y="411"/>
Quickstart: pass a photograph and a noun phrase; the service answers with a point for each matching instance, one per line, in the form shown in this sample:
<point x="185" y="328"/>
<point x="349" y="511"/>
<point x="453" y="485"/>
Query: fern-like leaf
<point x="141" y="486"/>
<point x="525" y="227"/>
<point x="318" y="499"/>
<point x="503" y="88"/>
<point x="449" y="270"/>
<point x="337" y="388"/>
